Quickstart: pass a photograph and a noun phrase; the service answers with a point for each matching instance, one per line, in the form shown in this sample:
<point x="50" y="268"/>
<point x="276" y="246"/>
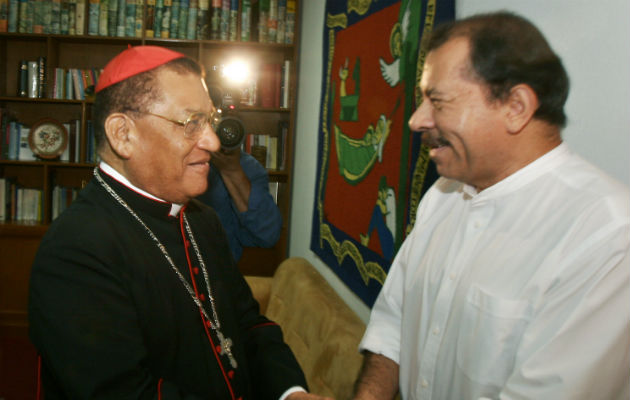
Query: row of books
<point x="269" y="150"/>
<point x="74" y="83"/>
<point x="20" y="204"/>
<point x="14" y="144"/>
<point x="61" y="198"/>
<point x="274" y="84"/>
<point x="268" y="21"/>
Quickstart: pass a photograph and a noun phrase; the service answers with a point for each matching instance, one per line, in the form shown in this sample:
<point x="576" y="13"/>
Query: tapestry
<point x="372" y="170"/>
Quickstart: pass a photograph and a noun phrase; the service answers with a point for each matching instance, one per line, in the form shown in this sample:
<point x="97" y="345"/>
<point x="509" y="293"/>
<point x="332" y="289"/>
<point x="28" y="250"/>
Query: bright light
<point x="236" y="72"/>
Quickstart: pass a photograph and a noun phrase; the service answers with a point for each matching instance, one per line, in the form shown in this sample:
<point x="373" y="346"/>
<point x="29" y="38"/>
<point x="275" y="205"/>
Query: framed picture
<point x="48" y="138"/>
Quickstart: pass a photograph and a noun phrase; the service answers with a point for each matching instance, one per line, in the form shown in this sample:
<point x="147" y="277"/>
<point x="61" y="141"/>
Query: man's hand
<point x="227" y="160"/>
<point x="306" y="396"/>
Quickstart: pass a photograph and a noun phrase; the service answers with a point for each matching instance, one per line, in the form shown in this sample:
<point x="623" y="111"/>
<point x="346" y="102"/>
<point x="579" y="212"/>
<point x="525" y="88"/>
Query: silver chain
<point x="226" y="343"/>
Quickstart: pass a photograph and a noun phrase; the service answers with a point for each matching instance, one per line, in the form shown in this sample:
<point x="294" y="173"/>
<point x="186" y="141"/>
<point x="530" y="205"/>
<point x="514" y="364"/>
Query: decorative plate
<point x="48" y="138"/>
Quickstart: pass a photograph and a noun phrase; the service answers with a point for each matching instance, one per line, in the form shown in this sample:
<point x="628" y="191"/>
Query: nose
<point x="422" y="118"/>
<point x="209" y="140"/>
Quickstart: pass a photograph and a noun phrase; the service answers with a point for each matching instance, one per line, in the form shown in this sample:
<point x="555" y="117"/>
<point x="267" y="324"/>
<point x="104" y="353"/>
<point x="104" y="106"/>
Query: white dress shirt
<point x="520" y="291"/>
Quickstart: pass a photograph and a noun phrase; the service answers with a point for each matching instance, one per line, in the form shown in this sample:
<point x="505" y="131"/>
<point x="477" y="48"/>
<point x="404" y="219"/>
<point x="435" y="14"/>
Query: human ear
<point x="119" y="129"/>
<point x="521" y="105"/>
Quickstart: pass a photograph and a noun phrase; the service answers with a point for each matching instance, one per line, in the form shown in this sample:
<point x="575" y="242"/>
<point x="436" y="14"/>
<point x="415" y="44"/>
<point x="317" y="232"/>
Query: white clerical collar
<point x="109" y="170"/>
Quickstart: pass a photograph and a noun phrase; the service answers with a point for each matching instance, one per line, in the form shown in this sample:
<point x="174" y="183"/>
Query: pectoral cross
<point x="226" y="348"/>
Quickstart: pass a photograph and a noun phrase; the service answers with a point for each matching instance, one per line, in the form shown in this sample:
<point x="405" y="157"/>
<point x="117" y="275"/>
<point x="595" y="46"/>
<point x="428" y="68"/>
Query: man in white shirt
<point x="515" y="282"/>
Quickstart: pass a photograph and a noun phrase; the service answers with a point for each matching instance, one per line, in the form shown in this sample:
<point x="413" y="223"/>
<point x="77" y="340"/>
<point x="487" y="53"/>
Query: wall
<point x="590" y="36"/>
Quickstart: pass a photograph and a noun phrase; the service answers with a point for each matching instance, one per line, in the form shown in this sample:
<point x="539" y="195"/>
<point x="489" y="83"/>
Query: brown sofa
<point x="320" y="328"/>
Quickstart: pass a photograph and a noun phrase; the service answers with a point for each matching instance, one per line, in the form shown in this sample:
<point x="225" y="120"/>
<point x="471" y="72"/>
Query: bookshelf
<point x="19" y="239"/>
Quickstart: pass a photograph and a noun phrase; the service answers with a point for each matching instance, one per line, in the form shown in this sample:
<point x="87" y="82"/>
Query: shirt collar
<point x="109" y="170"/>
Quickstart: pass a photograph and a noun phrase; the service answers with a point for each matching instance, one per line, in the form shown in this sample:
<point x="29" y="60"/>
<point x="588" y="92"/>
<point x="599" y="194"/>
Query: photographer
<point x="238" y="190"/>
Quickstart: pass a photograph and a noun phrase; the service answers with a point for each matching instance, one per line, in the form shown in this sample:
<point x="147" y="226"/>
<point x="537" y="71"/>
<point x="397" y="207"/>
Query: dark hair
<point x="134" y="94"/>
<point x="507" y="50"/>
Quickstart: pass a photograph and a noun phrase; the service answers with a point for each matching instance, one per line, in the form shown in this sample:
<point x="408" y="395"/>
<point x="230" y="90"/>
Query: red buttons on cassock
<point x="218" y="349"/>
<point x="231" y="374"/>
<point x="187" y="243"/>
<point x="196" y="271"/>
<point x="202" y="297"/>
<point x="208" y="324"/>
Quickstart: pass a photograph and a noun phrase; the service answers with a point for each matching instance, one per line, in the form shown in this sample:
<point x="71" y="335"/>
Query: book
<point x="215" y="19"/>
<point x="32" y="80"/>
<point x="55" y="17"/>
<point x="121" y="18"/>
<point x="41" y="77"/>
<point x="224" y="25"/>
<point x="64" y="23"/>
<point x="263" y="21"/>
<point x="94" y="11"/>
<point x="274" y="188"/>
<point x="23" y="79"/>
<point x="157" y="18"/>
<point x="283" y="132"/>
<point x="72" y="17"/>
<point x="112" y="17"/>
<point x="174" y="27"/>
<point x="166" y="19"/>
<point x="139" y="18"/>
<point x="23" y="16"/>
<point x="77" y="84"/>
<point x="191" y="24"/>
<point x="130" y="18"/>
<point x="149" y="23"/>
<point x="37" y="10"/>
<point x="233" y="24"/>
<point x="289" y="25"/>
<point x="246" y="20"/>
<point x="182" y="24"/>
<point x="79" y="28"/>
<point x="47" y="13"/>
<point x="282" y="16"/>
<point x="3" y="199"/>
<point x="59" y="83"/>
<point x="286" y="83"/>
<point x="202" y="19"/>
<point x="12" y="16"/>
<point x="266" y="83"/>
<point x="25" y="153"/>
<point x="69" y="91"/>
<point x="272" y="21"/>
<point x="4" y="15"/>
<point x="103" y="18"/>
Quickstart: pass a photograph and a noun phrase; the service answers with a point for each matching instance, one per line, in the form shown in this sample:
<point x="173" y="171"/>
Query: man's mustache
<point x="433" y="139"/>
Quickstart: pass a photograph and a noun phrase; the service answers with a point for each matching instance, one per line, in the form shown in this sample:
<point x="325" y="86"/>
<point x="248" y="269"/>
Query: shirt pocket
<point x="489" y="336"/>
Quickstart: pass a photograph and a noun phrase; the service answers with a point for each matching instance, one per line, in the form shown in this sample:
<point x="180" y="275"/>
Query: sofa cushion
<point x="320" y="328"/>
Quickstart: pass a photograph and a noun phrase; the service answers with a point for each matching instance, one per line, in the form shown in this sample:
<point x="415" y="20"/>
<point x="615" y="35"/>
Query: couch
<point x="320" y="328"/>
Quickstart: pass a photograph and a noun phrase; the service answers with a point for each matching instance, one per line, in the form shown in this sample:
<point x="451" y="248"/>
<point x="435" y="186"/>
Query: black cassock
<point x="112" y="320"/>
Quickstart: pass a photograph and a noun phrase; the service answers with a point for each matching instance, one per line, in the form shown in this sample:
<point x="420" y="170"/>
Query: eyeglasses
<point x="195" y="123"/>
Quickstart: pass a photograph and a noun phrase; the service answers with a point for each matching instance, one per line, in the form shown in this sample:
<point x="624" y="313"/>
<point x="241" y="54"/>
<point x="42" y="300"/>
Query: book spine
<point x="224" y="27"/>
<point x="4" y="15"/>
<point x="72" y="17"/>
<point x="191" y="26"/>
<point x="149" y="22"/>
<point x="38" y="16"/>
<point x="12" y="18"/>
<point x="182" y="24"/>
<point x="202" y="19"/>
<point x="23" y="15"/>
<point x="174" y="30"/>
<point x="80" y="17"/>
<point x="94" y="10"/>
<point x="120" y="21"/>
<point x="130" y="18"/>
<point x="157" y="18"/>
<point x="286" y="84"/>
<point x="64" y="21"/>
<point x="33" y="79"/>
<point x="137" y="27"/>
<point x="233" y="20"/>
<point x="59" y="83"/>
<point x="23" y="79"/>
<point x="103" y="18"/>
<point x="215" y="20"/>
<point x="272" y="21"/>
<point x="289" y="22"/>
<point x="112" y="17"/>
<point x="69" y="85"/>
<point x="55" y="17"/>
<point x="263" y="21"/>
<point x="282" y="16"/>
<point x="166" y="19"/>
<point x="41" y="77"/>
<point x="246" y="20"/>
<point x="47" y="12"/>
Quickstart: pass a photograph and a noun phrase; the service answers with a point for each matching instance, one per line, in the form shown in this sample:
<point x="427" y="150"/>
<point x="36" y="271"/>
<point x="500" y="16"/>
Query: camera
<point x="231" y="131"/>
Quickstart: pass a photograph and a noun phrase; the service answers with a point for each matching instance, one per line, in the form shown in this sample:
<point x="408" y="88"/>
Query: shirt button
<point x="477" y="224"/>
<point x="424" y="383"/>
<point x="436" y="331"/>
<point x="452" y="276"/>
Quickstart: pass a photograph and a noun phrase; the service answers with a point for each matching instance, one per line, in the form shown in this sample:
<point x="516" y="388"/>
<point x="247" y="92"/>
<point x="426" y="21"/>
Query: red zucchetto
<point x="133" y="61"/>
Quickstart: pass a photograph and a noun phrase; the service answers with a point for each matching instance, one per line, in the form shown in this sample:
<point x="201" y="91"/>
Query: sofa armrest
<point x="261" y="289"/>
